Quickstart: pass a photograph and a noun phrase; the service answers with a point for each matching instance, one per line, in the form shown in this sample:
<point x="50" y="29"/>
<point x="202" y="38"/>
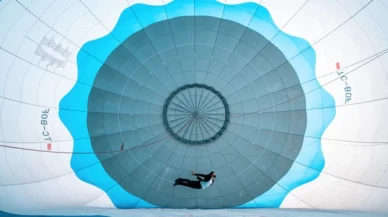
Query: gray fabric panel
<point x="267" y="107"/>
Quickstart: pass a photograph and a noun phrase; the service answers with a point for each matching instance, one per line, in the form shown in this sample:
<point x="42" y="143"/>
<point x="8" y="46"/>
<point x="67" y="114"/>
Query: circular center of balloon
<point x="196" y="114"/>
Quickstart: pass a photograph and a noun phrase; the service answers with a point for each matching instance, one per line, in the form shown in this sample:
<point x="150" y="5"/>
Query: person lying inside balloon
<point x="204" y="181"/>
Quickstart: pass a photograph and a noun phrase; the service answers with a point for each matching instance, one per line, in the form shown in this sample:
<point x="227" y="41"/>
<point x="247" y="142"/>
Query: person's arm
<point x="198" y="174"/>
<point x="200" y="179"/>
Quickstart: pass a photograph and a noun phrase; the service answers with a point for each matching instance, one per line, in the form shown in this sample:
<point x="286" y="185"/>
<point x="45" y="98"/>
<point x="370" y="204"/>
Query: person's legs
<point x="179" y="180"/>
<point x="188" y="183"/>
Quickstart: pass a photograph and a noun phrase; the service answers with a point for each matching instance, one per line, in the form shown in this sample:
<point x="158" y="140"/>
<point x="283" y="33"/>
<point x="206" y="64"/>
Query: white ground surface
<point x="217" y="213"/>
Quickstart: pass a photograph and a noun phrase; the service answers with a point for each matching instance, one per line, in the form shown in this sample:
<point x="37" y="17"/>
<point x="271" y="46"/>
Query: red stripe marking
<point x="49" y="146"/>
<point x="337" y="65"/>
